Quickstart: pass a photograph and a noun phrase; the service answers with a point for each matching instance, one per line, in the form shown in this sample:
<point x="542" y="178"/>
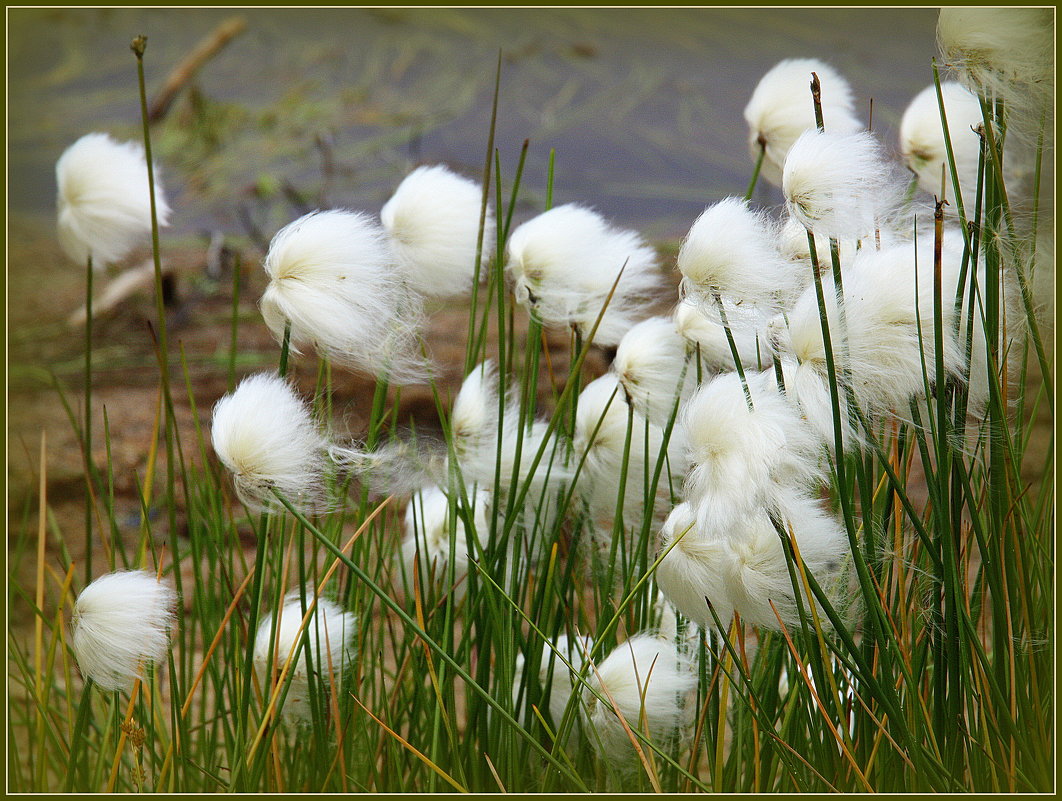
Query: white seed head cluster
<point x="104" y="200"/>
<point x="267" y="438"/>
<point x="564" y="263"/>
<point x="121" y="624"/>
<point x="651" y="365"/>
<point x="1002" y="52"/>
<point x="609" y="433"/>
<point x="431" y="533"/>
<point x="326" y="653"/>
<point x="646" y="681"/>
<point x="334" y="277"/>
<point x="702" y="326"/>
<point x="840" y="185"/>
<point x="730" y="250"/>
<point x="781" y="109"/>
<point x="433" y="220"/>
<point x="922" y="142"/>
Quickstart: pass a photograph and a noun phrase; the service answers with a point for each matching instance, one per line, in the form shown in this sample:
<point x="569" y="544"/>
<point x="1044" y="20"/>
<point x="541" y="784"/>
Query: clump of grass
<point x="818" y="624"/>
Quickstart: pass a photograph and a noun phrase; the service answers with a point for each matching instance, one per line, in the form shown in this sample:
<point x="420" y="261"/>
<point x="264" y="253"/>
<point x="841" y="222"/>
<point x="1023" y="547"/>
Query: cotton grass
<point x="121" y="624"/>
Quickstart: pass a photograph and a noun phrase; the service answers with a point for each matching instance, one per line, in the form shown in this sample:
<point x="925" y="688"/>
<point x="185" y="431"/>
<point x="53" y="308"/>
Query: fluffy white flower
<point x="794" y="246"/>
<point x="564" y="262"/>
<point x="429" y="536"/>
<point x="121" y="622"/>
<point x="741" y="565"/>
<point x="433" y="221"/>
<point x="741" y="458"/>
<point x="1005" y="52"/>
<point x="604" y="425"/>
<point x="267" y="438"/>
<point x="327" y="652"/>
<point x="333" y="275"/>
<point x="649" y="682"/>
<point x="840" y="185"/>
<point x="808" y="390"/>
<point x="474" y="432"/>
<point x="731" y="250"/>
<point x="922" y="138"/>
<point x="781" y="109"/>
<point x="700" y="323"/>
<point x="886" y="308"/>
<point x="555" y="680"/>
<point x="104" y="202"/>
<point x="651" y="365"/>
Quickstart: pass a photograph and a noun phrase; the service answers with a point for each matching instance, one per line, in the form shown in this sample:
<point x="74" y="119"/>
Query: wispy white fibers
<point x="333" y="275"/>
<point x="700" y="323"/>
<point x="1005" y="52"/>
<point x="267" y="438"/>
<point x="433" y="221"/>
<point x="741" y="565"/>
<point x="840" y="185"/>
<point x="740" y="458"/>
<point x="555" y="679"/>
<point x="104" y="202"/>
<point x="889" y="336"/>
<point x="651" y="365"/>
<point x="648" y="681"/>
<point x="604" y="425"/>
<point x="121" y="623"/>
<point x="564" y="263"/>
<point x="922" y="139"/>
<point x="730" y="250"/>
<point x="327" y="651"/>
<point x="781" y="109"/>
<point x="474" y="433"/>
<point x="794" y="246"/>
<point x="430" y="536"/>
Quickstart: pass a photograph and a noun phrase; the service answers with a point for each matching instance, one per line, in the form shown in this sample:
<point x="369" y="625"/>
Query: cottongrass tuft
<point x="328" y="651"/>
<point x="333" y="276"/>
<point x="555" y="679"/>
<point x="840" y="185"/>
<point x="121" y="623"/>
<point x="702" y="326"/>
<point x="781" y="109"/>
<point x="429" y="536"/>
<point x="922" y="141"/>
<point x="433" y="221"/>
<point x="730" y="250"/>
<point x="104" y="203"/>
<point x="649" y="682"/>
<point x="651" y="364"/>
<point x="564" y="263"/>
<point x="267" y="438"/>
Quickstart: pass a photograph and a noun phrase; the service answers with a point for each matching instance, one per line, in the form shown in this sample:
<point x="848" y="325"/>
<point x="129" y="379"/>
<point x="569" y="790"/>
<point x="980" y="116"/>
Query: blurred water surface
<point x="643" y="106"/>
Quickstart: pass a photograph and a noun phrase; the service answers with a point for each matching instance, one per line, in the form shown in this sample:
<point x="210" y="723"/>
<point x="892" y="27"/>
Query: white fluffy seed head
<point x="651" y="365"/>
<point x="886" y="308"/>
<point x="1007" y="52"/>
<point x="104" y="203"/>
<point x="922" y="141"/>
<point x="333" y="275"/>
<point x="794" y="246"/>
<point x="433" y="221"/>
<point x="700" y="324"/>
<point x="607" y="431"/>
<point x="781" y="109"/>
<point x="265" y="435"/>
<point x="730" y="250"/>
<point x="430" y="536"/>
<point x="741" y="458"/>
<point x="121" y="623"/>
<point x="328" y="651"/>
<point x="555" y="679"/>
<point x="564" y="263"/>
<point x="474" y="433"/>
<point x="648" y="681"/>
<point x="840" y="185"/>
